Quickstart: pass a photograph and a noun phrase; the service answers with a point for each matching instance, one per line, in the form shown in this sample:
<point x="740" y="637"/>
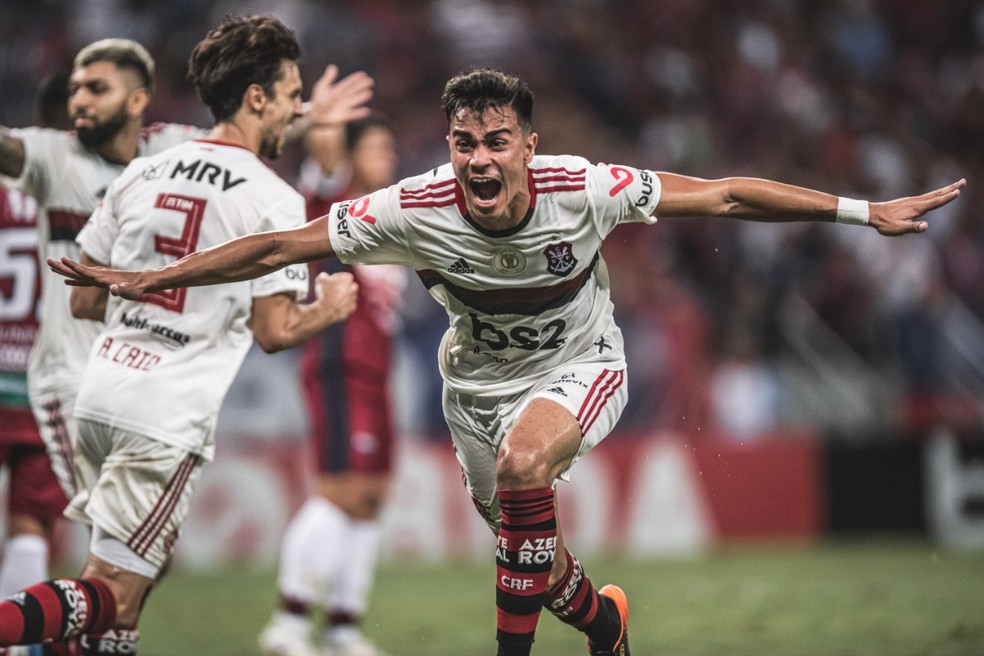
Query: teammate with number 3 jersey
<point x="509" y="243"/>
<point x="170" y="357"/>
<point x="158" y="371"/>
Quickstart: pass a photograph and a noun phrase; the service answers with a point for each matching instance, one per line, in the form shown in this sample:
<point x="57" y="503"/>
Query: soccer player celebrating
<point x="509" y="243"/>
<point x="159" y="369"/>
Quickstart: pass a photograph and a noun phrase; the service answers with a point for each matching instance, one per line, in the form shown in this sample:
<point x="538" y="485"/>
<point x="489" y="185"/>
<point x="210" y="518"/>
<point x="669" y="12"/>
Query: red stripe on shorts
<point x="603" y="388"/>
<point x="148" y="531"/>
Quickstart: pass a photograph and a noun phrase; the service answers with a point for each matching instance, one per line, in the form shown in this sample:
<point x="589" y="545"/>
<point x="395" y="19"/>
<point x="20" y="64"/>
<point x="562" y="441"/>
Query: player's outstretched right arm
<point x="244" y="258"/>
<point x="11" y="153"/>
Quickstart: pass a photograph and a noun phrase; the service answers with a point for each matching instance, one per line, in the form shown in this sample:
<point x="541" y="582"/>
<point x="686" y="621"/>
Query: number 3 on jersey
<point x="193" y="210"/>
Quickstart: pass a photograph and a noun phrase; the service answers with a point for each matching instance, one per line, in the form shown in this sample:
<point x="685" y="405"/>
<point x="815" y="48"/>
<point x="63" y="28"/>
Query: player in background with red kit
<point x="330" y="549"/>
<point x="35" y="499"/>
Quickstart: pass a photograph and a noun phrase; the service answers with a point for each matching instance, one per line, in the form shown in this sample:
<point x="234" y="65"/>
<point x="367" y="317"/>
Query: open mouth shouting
<point x="485" y="191"/>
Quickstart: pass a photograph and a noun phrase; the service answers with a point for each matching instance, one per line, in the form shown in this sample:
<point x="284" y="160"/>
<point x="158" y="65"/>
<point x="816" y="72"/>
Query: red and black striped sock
<point x="55" y="610"/>
<point x="524" y="556"/>
<point x="573" y="600"/>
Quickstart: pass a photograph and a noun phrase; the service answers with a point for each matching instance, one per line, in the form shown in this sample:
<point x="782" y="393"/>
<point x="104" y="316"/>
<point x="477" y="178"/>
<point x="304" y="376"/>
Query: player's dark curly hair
<point x="485" y="88"/>
<point x="239" y="52"/>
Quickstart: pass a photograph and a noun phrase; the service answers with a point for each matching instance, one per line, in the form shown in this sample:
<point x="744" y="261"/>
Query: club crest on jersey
<point x="560" y="258"/>
<point x="508" y="260"/>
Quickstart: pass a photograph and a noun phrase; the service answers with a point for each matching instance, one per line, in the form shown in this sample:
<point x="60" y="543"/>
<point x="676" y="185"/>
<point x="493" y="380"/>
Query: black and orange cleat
<point x="616" y="596"/>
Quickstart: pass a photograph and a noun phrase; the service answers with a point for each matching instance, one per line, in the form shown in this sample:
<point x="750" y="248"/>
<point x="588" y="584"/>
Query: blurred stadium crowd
<point x="732" y="328"/>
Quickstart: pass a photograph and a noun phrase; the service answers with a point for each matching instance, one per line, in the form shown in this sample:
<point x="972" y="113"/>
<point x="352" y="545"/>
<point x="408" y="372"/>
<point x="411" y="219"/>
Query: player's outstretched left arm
<point x="899" y="216"/>
<point x="756" y="199"/>
<point x="243" y="258"/>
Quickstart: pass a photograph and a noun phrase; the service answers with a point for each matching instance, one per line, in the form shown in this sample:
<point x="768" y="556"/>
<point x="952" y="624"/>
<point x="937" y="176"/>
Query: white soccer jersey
<point x="161" y="367"/>
<point x="522" y="301"/>
<point x="68" y="182"/>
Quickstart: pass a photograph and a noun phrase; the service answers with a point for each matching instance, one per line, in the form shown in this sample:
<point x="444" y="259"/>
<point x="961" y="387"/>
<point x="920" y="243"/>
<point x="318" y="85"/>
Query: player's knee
<point x="518" y="469"/>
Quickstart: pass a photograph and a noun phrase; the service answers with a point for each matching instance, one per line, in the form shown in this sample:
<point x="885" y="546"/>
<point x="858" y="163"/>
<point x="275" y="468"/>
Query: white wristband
<point x="853" y="212"/>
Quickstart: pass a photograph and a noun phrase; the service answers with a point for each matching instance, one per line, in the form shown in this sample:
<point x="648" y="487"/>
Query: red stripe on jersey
<point x="446" y="202"/>
<point x="440" y="195"/>
<point x="603" y="388"/>
<point x="540" y="179"/>
<point x="445" y="186"/>
<point x="551" y="188"/>
<point x="549" y="180"/>
<point x="557" y="169"/>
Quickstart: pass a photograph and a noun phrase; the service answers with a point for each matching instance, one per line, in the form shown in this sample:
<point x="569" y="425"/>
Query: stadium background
<point x="788" y="382"/>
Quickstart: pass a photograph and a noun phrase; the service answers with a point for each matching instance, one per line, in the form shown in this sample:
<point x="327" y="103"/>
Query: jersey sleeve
<point x="370" y="229"/>
<point x="292" y="279"/>
<point x="97" y="236"/>
<point x="622" y="194"/>
<point x="42" y="150"/>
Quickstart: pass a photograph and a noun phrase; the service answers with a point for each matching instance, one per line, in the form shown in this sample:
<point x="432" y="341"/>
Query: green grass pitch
<point x="886" y="597"/>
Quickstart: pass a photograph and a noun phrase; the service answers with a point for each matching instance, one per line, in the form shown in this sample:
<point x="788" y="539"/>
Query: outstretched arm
<point x="764" y="200"/>
<point x="11" y="153"/>
<point x="244" y="258"/>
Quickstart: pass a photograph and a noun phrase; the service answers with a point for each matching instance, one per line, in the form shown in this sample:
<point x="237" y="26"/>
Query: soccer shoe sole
<point x="621" y="647"/>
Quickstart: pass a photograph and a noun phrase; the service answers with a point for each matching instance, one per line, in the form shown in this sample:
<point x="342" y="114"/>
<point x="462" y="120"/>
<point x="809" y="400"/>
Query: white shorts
<point x="54" y="414"/>
<point x="137" y="489"/>
<point x="592" y="393"/>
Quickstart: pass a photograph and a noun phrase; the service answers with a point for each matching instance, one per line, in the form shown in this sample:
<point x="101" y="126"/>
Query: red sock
<point x="573" y="599"/>
<point x="55" y="610"/>
<point x="524" y="556"/>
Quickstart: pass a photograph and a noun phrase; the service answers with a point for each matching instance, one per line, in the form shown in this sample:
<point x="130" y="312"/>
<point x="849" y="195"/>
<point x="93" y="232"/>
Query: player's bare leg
<point x="533" y="566"/>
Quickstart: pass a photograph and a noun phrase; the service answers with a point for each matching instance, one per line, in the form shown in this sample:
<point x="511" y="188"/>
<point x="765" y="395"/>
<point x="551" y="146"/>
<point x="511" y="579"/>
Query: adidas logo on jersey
<point x="460" y="266"/>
